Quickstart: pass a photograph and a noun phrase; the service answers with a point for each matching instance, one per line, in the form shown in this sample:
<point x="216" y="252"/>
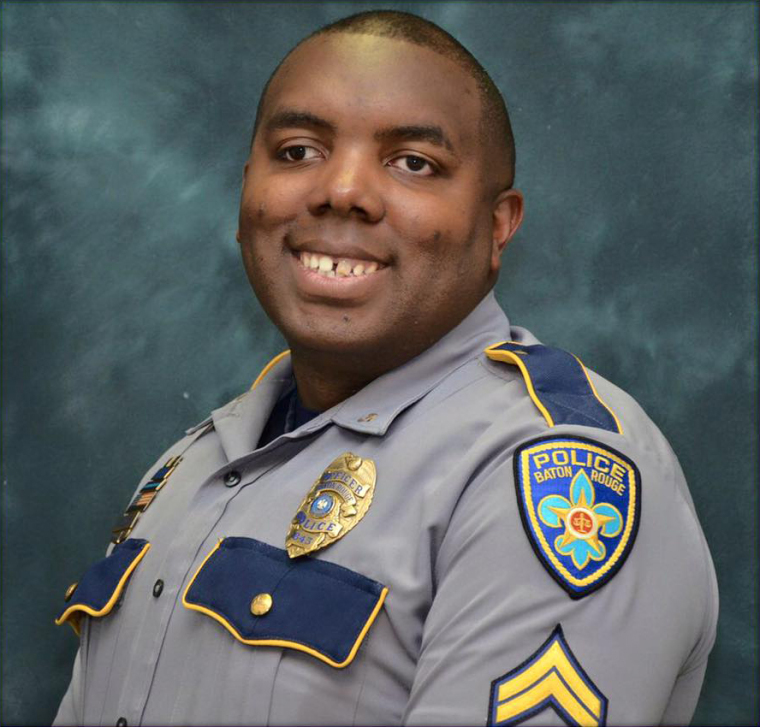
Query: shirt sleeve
<point x="503" y="643"/>
<point x="70" y="709"/>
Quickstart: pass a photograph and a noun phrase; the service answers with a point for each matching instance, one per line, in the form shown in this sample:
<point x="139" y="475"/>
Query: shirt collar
<point x="372" y="410"/>
<point x="240" y="422"/>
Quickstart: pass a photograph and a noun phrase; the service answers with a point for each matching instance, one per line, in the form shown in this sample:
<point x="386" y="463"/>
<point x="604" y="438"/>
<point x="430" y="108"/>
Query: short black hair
<point x="495" y="123"/>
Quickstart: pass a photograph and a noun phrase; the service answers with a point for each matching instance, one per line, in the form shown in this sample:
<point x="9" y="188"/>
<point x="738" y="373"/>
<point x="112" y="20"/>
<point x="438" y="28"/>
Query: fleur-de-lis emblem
<point x="580" y="503"/>
<point x="583" y="522"/>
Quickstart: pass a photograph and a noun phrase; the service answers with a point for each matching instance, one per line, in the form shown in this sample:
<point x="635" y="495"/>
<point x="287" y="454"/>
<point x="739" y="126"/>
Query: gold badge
<point x="335" y="504"/>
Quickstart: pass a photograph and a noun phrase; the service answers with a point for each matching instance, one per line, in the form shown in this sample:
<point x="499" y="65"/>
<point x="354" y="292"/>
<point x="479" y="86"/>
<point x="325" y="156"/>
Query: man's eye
<point x="415" y="164"/>
<point x="297" y="153"/>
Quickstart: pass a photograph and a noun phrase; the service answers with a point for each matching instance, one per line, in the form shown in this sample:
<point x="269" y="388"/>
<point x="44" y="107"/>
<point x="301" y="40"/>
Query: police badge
<point x="335" y="504"/>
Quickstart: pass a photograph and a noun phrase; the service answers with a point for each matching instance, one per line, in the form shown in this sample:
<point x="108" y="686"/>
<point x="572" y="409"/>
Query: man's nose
<point x="349" y="185"/>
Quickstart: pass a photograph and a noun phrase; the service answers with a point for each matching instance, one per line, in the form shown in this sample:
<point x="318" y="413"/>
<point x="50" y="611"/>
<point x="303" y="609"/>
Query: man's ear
<point x="242" y="187"/>
<point x="507" y="217"/>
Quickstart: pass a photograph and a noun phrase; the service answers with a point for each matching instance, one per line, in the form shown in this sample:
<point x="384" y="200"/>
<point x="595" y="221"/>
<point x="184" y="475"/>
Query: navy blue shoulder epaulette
<point x="558" y="384"/>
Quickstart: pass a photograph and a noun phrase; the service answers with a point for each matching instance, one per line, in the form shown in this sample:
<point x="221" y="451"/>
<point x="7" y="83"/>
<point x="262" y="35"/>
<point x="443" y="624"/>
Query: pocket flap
<point x="103" y="583"/>
<point x="265" y="598"/>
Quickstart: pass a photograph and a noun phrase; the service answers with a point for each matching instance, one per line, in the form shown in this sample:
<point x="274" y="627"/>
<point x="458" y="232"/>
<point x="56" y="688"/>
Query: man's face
<point x="369" y="223"/>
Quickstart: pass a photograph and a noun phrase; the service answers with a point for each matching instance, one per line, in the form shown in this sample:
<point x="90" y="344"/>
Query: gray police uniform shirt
<point x="522" y="560"/>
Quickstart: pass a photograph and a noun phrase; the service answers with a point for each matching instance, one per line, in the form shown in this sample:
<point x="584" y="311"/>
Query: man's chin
<point x="338" y="337"/>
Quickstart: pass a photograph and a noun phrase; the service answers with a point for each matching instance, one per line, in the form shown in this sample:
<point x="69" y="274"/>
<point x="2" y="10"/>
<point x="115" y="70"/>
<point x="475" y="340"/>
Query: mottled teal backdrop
<point x="126" y="316"/>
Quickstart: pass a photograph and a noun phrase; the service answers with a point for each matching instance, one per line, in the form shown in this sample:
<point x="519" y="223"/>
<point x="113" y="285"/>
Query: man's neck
<point x="325" y="377"/>
<point x="324" y="381"/>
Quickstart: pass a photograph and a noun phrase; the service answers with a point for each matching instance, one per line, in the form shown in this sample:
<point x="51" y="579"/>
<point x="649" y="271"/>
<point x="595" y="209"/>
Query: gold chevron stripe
<point x="549" y="686"/>
<point x="553" y="675"/>
<point x="554" y="658"/>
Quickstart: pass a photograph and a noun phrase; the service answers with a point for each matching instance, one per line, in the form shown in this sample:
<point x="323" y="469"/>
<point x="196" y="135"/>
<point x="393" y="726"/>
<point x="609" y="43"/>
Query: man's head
<point x="378" y="147"/>
<point x="495" y="126"/>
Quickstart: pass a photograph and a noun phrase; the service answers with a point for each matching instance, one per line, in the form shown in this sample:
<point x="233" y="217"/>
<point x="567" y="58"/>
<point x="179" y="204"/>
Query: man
<point x="419" y="515"/>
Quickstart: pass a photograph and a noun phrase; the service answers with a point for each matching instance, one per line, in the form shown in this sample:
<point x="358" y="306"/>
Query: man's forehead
<point x="360" y="70"/>
<point x="365" y="49"/>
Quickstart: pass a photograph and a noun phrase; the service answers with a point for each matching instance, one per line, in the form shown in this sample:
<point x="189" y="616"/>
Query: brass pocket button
<point x="70" y="592"/>
<point x="261" y="604"/>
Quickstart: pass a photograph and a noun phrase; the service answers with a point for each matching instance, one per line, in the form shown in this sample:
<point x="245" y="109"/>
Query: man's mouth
<point x="337" y="267"/>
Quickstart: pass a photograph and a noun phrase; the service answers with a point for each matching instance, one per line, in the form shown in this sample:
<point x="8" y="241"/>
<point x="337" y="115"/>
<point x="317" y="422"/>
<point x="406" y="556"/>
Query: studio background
<point x="126" y="315"/>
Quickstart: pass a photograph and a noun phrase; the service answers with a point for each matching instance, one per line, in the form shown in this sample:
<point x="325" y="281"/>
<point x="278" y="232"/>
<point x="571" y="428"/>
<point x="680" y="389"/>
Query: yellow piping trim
<point x="599" y="398"/>
<point x="280" y="642"/>
<point x="71" y="610"/>
<point x="269" y="367"/>
<point x="511" y="357"/>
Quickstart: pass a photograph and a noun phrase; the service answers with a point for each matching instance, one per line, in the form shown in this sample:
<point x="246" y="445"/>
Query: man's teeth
<point x="342" y="269"/>
<point x="325" y="265"/>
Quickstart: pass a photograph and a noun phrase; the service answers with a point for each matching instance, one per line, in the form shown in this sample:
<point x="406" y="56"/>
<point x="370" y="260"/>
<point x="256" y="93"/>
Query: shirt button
<point x="232" y="478"/>
<point x="261" y="604"/>
<point x="158" y="588"/>
<point x="121" y="722"/>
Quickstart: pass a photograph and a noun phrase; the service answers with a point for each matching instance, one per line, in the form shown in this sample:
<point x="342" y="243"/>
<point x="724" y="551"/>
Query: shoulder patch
<point x="580" y="503"/>
<point x="559" y="385"/>
<point x="550" y="678"/>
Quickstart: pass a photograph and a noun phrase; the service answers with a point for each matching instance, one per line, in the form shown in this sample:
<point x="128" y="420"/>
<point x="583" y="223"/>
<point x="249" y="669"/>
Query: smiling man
<point x="376" y="204"/>
<point x="419" y="514"/>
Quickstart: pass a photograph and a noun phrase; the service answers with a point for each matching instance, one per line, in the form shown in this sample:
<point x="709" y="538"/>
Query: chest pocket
<point x="264" y="598"/>
<point x="103" y="583"/>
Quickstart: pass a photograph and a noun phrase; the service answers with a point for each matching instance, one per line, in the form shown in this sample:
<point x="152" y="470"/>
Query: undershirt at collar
<point x="287" y="415"/>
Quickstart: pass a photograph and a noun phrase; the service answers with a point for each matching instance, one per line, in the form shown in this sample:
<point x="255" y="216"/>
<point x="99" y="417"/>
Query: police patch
<point x="579" y="503"/>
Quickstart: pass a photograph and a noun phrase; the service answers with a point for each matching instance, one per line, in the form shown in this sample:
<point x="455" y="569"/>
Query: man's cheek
<point x="426" y="234"/>
<point x="268" y="206"/>
<point x="436" y="242"/>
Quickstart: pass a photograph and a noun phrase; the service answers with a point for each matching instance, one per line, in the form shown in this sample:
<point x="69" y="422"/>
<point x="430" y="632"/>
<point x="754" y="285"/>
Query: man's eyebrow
<point x="290" y="118"/>
<point x="431" y="134"/>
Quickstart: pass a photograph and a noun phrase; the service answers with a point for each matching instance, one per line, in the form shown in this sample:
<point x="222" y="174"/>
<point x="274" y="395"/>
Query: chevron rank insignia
<point x="551" y="678"/>
<point x="579" y="502"/>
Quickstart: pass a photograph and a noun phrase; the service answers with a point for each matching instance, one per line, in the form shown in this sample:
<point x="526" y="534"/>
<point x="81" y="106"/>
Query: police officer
<point x="419" y="514"/>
